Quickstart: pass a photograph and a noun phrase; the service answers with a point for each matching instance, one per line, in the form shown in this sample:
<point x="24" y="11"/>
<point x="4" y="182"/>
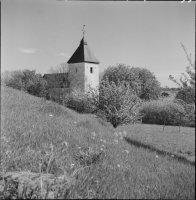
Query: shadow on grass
<point x="159" y="152"/>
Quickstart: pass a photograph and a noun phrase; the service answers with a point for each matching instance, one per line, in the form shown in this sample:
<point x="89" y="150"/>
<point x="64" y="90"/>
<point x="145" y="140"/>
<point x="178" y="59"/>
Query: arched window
<point x="91" y="70"/>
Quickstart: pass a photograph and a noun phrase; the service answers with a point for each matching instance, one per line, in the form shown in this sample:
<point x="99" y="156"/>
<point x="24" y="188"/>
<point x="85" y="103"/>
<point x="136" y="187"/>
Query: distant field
<point x="144" y="163"/>
<point x="172" y="95"/>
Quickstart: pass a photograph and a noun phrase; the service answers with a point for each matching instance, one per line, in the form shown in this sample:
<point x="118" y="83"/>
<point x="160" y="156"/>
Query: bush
<point x="116" y="103"/>
<point x="186" y="94"/>
<point x="79" y="101"/>
<point x="189" y="114"/>
<point x="189" y="117"/>
<point x="141" y="80"/>
<point x="25" y="80"/>
<point x="162" y="113"/>
<point x="13" y="79"/>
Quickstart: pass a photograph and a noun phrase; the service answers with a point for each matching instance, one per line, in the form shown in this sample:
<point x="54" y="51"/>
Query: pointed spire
<point x="83" y="30"/>
<point x="83" y="41"/>
<point x="83" y="54"/>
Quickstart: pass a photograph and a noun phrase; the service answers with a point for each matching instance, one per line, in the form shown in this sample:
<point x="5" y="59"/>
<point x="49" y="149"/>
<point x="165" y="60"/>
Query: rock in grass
<point x="33" y="185"/>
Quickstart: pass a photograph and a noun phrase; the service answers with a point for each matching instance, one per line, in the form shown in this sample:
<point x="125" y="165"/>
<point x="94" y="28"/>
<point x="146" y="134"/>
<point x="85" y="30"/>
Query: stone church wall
<point x="76" y="76"/>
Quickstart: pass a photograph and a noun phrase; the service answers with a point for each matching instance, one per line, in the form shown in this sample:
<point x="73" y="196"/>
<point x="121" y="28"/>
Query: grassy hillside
<point x="143" y="162"/>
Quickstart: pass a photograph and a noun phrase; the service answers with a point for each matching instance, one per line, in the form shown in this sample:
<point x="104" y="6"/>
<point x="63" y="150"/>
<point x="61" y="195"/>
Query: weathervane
<point x="83" y="30"/>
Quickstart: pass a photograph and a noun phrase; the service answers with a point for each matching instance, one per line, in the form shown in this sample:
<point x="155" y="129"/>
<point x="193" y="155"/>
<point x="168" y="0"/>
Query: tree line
<point x="121" y="91"/>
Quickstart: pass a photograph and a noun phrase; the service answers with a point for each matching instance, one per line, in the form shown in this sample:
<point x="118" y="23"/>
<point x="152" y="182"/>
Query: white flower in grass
<point x="81" y="152"/>
<point x="172" y="155"/>
<point x="118" y="165"/>
<point x="103" y="141"/>
<point x="75" y="122"/>
<point x="90" y="150"/>
<point x="4" y="139"/>
<point x="50" y="115"/>
<point x="120" y="134"/>
<point x="156" y="156"/>
<point x="127" y="151"/>
<point x="102" y="147"/>
<point x="51" y="147"/>
<point x="8" y="152"/>
<point x="124" y="133"/>
<point x="66" y="143"/>
<point x="93" y="134"/>
<point x="116" y="134"/>
<point x="72" y="166"/>
<point x="116" y="141"/>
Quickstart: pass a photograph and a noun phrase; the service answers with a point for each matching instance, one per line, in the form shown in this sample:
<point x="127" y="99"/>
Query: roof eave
<point x="84" y="62"/>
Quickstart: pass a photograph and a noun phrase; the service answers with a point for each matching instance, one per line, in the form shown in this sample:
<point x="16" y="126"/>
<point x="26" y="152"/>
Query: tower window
<point x="91" y="70"/>
<point x="76" y="70"/>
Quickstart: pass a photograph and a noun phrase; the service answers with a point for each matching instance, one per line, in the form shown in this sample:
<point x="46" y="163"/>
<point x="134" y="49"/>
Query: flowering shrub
<point x="117" y="103"/>
<point x="79" y="101"/>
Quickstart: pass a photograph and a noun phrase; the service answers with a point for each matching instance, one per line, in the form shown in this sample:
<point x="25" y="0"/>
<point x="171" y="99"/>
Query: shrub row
<point x="25" y="80"/>
<point x="168" y="113"/>
<point x="161" y="112"/>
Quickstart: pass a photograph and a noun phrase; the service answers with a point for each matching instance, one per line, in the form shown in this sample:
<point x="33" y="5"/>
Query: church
<point x="83" y="71"/>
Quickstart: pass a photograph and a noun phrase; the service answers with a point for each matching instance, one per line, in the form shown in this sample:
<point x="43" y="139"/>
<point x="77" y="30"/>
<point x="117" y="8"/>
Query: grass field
<point x="130" y="162"/>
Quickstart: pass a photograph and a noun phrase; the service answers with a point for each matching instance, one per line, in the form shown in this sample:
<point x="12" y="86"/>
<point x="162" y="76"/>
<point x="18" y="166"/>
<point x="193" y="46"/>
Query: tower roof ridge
<point x="83" y="54"/>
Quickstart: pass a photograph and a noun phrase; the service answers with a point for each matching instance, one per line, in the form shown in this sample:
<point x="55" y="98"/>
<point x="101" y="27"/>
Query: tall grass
<point x="42" y="137"/>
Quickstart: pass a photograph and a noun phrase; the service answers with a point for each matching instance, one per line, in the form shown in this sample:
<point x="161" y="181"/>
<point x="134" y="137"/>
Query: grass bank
<point x="137" y="161"/>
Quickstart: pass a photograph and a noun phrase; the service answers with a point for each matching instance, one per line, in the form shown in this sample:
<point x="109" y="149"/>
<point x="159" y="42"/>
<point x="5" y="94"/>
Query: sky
<point x="40" y="34"/>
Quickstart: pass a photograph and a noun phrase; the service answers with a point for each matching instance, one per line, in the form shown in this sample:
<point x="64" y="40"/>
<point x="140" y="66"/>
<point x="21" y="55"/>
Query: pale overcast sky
<point x="39" y="34"/>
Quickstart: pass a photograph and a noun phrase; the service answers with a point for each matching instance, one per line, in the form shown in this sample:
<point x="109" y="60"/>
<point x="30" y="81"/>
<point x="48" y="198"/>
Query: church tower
<point x="83" y="68"/>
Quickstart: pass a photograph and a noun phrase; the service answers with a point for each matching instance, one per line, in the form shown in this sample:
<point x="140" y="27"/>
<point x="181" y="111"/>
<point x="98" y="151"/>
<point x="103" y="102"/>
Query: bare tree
<point x="60" y="68"/>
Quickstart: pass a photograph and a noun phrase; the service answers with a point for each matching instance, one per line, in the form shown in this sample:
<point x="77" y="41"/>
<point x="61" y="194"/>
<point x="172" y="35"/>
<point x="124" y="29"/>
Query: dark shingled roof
<point x="83" y="54"/>
<point x="57" y="80"/>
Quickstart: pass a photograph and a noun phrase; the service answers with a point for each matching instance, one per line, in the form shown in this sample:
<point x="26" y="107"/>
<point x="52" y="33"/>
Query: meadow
<point x="137" y="161"/>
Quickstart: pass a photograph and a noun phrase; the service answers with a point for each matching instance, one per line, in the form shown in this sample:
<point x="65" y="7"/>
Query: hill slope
<point x="40" y="135"/>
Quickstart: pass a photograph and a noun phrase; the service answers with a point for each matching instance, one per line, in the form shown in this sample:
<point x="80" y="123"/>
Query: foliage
<point x="188" y="118"/>
<point x="162" y="113"/>
<point x="187" y="94"/>
<point x="60" y="68"/>
<point x="13" y="79"/>
<point x="186" y="83"/>
<point x="78" y="101"/>
<point x="117" y="103"/>
<point x="101" y="75"/>
<point x="150" y="87"/>
<point x="26" y="80"/>
<point x="142" y="81"/>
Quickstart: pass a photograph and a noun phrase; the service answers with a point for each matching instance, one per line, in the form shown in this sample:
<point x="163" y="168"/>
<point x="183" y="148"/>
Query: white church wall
<point x="81" y="75"/>
<point x="91" y="75"/>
